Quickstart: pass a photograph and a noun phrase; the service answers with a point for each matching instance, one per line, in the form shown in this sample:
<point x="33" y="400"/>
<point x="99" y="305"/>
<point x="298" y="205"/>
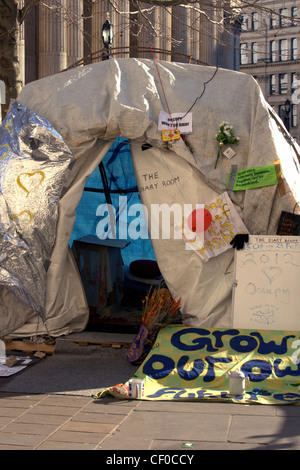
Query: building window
<point x="294" y="48"/>
<point x="283" y="83"/>
<point x="245" y="23"/>
<point x="283" y="18"/>
<point x="272" y="84"/>
<point x="273" y="21"/>
<point x="272" y="51"/>
<point x="294" y="120"/>
<point x="281" y="111"/>
<point x="283" y="49"/>
<point x="254" y="21"/>
<point x="254" y="53"/>
<point x="244" y="53"/>
<point x="294" y="81"/>
<point x="294" y="13"/>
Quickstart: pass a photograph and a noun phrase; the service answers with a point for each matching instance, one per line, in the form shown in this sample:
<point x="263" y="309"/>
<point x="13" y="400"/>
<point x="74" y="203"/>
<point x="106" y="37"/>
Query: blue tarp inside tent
<point x="119" y="177"/>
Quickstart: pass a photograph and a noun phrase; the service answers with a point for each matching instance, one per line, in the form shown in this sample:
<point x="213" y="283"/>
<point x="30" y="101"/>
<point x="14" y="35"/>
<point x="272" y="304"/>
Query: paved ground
<point x="65" y="422"/>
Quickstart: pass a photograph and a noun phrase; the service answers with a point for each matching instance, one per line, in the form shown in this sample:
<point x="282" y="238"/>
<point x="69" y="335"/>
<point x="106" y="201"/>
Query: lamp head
<point x="107" y="32"/>
<point x="287" y="106"/>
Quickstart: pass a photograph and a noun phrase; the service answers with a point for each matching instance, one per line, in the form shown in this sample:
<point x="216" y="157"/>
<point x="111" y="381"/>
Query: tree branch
<point x="22" y="12"/>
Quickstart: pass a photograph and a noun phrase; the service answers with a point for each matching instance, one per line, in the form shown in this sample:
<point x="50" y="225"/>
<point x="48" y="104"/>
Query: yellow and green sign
<point x="188" y="363"/>
<point x="252" y="178"/>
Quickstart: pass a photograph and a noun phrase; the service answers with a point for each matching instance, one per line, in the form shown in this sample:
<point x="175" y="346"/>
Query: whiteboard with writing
<point x="266" y="288"/>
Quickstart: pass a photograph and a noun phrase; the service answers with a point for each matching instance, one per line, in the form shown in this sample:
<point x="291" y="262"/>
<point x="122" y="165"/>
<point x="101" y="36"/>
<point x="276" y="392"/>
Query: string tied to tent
<point x="162" y="87"/>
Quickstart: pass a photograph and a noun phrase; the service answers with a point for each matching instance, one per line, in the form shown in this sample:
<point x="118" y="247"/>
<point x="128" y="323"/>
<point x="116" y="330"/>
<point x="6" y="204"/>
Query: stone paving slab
<point x="129" y="442"/>
<point x="88" y="427"/>
<point x="77" y="437"/>
<point x="293" y="411"/>
<point x="20" y="439"/>
<point x="35" y="429"/>
<point x="59" y="400"/>
<point x="206" y="407"/>
<point x="178" y="426"/>
<point x="14" y="447"/>
<point x="265" y="430"/>
<point x="166" y="445"/>
<point x="32" y="419"/>
<point x="53" y="445"/>
<point x="112" y="408"/>
<point x="56" y="422"/>
<point x="11" y="411"/>
<point x="54" y="410"/>
<point x="4" y="420"/>
<point x="98" y="418"/>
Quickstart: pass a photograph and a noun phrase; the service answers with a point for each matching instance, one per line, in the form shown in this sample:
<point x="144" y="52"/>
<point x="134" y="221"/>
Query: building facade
<point x="60" y="33"/>
<point x="270" y="52"/>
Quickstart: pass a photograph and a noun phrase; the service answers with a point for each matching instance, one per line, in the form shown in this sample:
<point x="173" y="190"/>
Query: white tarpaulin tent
<point x="90" y="106"/>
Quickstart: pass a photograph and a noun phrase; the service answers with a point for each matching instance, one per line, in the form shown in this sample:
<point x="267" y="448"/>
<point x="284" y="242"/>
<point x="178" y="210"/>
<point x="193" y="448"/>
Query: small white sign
<point x="229" y="153"/>
<point x="181" y="121"/>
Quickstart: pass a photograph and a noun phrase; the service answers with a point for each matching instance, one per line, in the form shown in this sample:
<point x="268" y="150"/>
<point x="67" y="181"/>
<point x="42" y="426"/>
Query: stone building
<point x="60" y="33"/>
<point x="270" y="52"/>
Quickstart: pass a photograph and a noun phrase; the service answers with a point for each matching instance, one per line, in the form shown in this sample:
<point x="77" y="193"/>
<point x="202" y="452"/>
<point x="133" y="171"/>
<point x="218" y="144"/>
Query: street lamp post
<point x="107" y="37"/>
<point x="287" y="111"/>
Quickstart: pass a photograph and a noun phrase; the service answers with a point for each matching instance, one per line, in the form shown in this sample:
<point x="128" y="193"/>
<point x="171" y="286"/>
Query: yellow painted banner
<point x="188" y="363"/>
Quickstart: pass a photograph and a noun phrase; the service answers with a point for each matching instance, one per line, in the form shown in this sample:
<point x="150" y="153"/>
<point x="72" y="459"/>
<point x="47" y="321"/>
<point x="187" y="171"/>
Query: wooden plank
<point x="106" y="344"/>
<point x="28" y="347"/>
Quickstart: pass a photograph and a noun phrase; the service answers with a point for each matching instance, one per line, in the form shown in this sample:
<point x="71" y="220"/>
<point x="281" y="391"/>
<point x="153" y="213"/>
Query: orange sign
<point x="170" y="134"/>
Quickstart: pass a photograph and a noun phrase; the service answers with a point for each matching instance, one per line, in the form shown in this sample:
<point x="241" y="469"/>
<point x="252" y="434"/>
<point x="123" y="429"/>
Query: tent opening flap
<point x="111" y="243"/>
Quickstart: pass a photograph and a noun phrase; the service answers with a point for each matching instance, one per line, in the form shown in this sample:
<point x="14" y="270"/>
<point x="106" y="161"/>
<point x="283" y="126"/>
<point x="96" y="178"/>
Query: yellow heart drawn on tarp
<point x="8" y="150"/>
<point x="34" y="184"/>
<point x="22" y="217"/>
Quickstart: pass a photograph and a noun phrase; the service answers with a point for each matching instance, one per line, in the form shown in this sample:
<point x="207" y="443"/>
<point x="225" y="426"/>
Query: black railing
<point x="133" y="52"/>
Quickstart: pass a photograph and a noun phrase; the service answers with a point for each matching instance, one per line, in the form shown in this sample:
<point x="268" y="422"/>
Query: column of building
<point x="75" y="31"/>
<point x="52" y="51"/>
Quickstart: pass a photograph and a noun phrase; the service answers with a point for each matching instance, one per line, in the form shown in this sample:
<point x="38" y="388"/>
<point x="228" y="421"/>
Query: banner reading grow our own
<point x="188" y="363"/>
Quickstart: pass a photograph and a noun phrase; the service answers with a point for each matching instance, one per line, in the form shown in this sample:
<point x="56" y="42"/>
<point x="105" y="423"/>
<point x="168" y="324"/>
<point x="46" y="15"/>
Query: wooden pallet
<point x="28" y="347"/>
<point x="48" y="347"/>
<point x="105" y="344"/>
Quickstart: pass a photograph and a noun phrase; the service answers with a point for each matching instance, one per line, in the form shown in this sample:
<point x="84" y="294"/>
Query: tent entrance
<point x="111" y="245"/>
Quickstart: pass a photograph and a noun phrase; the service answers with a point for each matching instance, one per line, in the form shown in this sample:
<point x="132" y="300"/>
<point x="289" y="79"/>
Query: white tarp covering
<point x="90" y="106"/>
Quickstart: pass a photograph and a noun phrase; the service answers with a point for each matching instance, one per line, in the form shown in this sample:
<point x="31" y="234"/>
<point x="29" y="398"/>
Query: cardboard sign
<point x="225" y="223"/>
<point x="181" y="121"/>
<point x="266" y="288"/>
<point x="289" y="224"/>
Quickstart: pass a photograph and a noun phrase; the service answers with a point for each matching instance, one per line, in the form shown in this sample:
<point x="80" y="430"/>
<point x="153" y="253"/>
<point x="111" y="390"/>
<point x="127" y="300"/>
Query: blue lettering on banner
<point x="199" y="343"/>
<point x="168" y="366"/>
<point x="236" y="343"/>
<point x="165" y="391"/>
<point x="211" y="361"/>
<point x="289" y="397"/>
<point x="264" y="367"/>
<point x="272" y="347"/>
<point x="286" y="371"/>
<point x="219" y="334"/>
<point x="189" y="374"/>
<point x="201" y="394"/>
